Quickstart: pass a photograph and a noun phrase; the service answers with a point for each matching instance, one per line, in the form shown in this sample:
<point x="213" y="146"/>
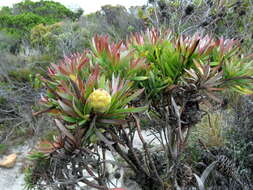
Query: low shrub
<point x="93" y="98"/>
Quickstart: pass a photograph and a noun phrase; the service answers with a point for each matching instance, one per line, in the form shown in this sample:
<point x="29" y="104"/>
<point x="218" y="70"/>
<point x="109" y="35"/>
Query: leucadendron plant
<point x="89" y="108"/>
<point x="185" y="72"/>
<point x="171" y="58"/>
<point x="91" y="95"/>
<point x="117" y="59"/>
<point x="87" y="102"/>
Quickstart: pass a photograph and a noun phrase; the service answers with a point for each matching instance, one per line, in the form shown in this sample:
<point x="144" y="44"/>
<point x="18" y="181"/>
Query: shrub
<point x="59" y="39"/>
<point x="211" y="130"/>
<point x="93" y="98"/>
<point x="19" y="25"/>
<point x="19" y="20"/>
<point x="227" y="18"/>
<point x="44" y="37"/>
<point x="51" y="10"/>
<point x="20" y="75"/>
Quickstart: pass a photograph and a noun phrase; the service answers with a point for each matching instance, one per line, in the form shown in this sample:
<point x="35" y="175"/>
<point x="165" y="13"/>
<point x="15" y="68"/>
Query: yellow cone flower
<point x="73" y="77"/>
<point x="99" y="100"/>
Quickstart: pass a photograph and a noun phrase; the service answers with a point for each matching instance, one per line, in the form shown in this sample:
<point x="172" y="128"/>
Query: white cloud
<point x="88" y="6"/>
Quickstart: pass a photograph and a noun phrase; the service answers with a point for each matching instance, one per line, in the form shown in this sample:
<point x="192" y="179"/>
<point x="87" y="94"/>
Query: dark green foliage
<point x="28" y="179"/>
<point x="51" y="10"/>
<point x="240" y="133"/>
<point x="21" y="24"/>
<point x="8" y="42"/>
<point x="41" y="163"/>
<point x="20" y="75"/>
<point x="5" y="11"/>
<point x="20" y="19"/>
<point x="39" y="33"/>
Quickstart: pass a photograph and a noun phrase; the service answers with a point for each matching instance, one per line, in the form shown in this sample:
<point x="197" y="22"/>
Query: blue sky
<point x="88" y="6"/>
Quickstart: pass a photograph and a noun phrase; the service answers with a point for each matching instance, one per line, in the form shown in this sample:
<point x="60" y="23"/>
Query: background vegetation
<point x="35" y="34"/>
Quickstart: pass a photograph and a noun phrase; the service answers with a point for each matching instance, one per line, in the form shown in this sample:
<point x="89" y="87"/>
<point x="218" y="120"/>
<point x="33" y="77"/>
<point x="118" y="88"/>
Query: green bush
<point x="20" y="75"/>
<point x="20" y="19"/>
<point x="44" y="37"/>
<point x="48" y="9"/>
<point x="95" y="97"/>
<point x="21" y="24"/>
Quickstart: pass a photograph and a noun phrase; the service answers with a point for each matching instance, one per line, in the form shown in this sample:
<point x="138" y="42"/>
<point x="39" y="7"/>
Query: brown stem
<point x="167" y="133"/>
<point x="42" y="111"/>
<point x="134" y="154"/>
<point x="169" y="141"/>
<point x="90" y="172"/>
<point x="146" y="151"/>
<point x="178" y="116"/>
<point x="124" y="156"/>
<point x="103" y="164"/>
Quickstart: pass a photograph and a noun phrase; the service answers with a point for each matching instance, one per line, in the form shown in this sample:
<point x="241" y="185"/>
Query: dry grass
<point x="211" y="130"/>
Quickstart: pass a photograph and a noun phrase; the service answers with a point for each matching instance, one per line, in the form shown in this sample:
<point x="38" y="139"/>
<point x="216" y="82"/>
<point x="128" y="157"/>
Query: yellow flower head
<point x="99" y="100"/>
<point x="73" y="77"/>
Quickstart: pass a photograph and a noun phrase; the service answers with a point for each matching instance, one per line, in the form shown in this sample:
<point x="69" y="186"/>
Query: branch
<point x="129" y="144"/>
<point x="125" y="157"/>
<point x="42" y="111"/>
<point x="137" y="121"/>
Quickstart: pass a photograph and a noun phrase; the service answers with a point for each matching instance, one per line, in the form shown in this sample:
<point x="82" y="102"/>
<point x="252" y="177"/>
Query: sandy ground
<point x="13" y="178"/>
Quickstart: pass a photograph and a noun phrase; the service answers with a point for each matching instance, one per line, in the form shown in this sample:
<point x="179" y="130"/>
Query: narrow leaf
<point x="207" y="171"/>
<point x="64" y="130"/>
<point x="199" y="181"/>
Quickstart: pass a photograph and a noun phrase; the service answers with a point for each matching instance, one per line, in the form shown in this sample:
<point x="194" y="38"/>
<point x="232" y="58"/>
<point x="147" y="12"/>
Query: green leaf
<point x="82" y="122"/>
<point x="70" y="119"/>
<point x="87" y="108"/>
<point x="76" y="109"/>
<point x="50" y="95"/>
<point x="65" y="96"/>
<point x="89" y="133"/>
<point x="102" y="82"/>
<point x="119" y="96"/>
<point x="130" y="110"/>
<point x="71" y="127"/>
<point x="132" y="97"/>
<point x="64" y="130"/>
<point x="139" y="78"/>
<point x="66" y="108"/>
